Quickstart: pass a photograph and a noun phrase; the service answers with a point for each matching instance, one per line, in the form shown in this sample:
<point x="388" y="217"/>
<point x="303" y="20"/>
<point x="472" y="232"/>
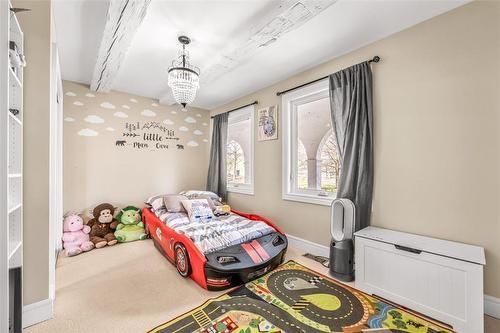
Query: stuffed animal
<point x="131" y="227"/>
<point x="222" y="210"/>
<point x="103" y="225"/>
<point x="76" y="235"/>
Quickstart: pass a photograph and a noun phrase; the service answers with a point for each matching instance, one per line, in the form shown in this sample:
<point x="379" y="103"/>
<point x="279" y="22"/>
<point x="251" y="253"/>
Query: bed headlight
<point x="278" y="241"/>
<point x="224" y="260"/>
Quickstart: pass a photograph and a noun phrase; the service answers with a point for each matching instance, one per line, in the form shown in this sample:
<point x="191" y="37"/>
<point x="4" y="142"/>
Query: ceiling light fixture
<point x="183" y="78"/>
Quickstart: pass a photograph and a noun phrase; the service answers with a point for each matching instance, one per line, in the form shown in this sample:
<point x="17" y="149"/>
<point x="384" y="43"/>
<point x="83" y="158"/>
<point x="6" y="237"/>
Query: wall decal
<point x="154" y="104"/>
<point x="120" y="114"/>
<point x="197" y="132"/>
<point x="69" y="119"/>
<point x="133" y="100"/>
<point x="148" y="113"/>
<point x="173" y="112"/>
<point x="268" y="123"/>
<point x="70" y="93"/>
<point x="93" y="119"/>
<point x="192" y="143"/>
<point x="150" y="135"/>
<point x="87" y="132"/>
<point x="198" y="115"/>
<point x="78" y="103"/>
<point x="154" y="124"/>
<point x="205" y="124"/>
<point x="107" y="105"/>
<point x="91" y="95"/>
<point x="110" y="129"/>
<point x="168" y="122"/>
<point x="125" y="106"/>
<point x="190" y="120"/>
<point x="183" y="129"/>
<point x="205" y="140"/>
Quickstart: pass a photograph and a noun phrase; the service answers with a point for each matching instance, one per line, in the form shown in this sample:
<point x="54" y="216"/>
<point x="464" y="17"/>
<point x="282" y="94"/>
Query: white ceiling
<point x="219" y="27"/>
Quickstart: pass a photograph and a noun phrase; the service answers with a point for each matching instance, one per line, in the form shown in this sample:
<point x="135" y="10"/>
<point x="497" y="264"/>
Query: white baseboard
<point x="492" y="306"/>
<point x="35" y="313"/>
<point x="308" y="246"/>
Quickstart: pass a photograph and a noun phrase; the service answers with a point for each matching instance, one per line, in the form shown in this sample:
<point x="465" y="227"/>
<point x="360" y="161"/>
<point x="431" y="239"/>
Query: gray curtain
<point x="217" y="176"/>
<point x="352" y="120"/>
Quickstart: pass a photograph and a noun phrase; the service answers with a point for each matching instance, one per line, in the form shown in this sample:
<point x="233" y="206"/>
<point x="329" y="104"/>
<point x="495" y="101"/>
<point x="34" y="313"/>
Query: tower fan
<point x="343" y="222"/>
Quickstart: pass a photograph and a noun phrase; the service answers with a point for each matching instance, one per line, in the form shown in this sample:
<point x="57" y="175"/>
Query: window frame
<point x="235" y="117"/>
<point x="290" y="102"/>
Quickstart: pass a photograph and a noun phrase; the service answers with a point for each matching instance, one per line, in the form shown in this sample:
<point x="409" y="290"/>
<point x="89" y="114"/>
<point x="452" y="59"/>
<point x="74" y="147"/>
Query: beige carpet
<point x="131" y="288"/>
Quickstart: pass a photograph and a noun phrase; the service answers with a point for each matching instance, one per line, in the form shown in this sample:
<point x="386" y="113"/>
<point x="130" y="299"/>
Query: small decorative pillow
<point x="157" y="204"/>
<point x="173" y="203"/>
<point x="193" y="194"/>
<point x="198" y="210"/>
<point x="149" y="201"/>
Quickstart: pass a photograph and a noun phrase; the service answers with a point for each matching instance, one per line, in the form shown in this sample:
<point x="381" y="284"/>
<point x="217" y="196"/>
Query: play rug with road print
<point x="293" y="298"/>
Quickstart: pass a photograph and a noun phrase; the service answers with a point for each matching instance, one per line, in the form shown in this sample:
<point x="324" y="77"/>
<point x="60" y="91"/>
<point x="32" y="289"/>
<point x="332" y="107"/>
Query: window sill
<point x="307" y="198"/>
<point x="240" y="190"/>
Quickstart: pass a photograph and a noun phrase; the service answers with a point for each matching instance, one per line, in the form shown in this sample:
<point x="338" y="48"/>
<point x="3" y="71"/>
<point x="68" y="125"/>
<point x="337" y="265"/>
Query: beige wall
<point x="37" y="45"/>
<point x="97" y="170"/>
<point x="437" y="141"/>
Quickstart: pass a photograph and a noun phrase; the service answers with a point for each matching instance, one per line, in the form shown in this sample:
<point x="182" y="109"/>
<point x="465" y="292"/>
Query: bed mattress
<point x="217" y="234"/>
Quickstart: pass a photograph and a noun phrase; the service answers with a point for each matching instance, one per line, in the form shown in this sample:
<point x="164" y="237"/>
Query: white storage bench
<point x="438" y="278"/>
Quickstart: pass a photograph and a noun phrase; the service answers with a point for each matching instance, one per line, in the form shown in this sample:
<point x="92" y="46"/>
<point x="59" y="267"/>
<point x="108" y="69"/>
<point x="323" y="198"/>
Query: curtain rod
<point x="374" y="59"/>
<point x="241" y="107"/>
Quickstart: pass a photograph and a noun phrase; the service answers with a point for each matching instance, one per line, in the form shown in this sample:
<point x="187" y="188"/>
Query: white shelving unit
<point x="11" y="173"/>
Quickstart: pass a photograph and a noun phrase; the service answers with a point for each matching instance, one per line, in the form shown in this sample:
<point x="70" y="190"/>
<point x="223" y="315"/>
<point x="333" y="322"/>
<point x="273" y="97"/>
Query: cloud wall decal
<point x="87" y="132"/>
<point x="148" y="113"/>
<point x="93" y="119"/>
<point x="108" y="105"/>
<point x="120" y="114"/>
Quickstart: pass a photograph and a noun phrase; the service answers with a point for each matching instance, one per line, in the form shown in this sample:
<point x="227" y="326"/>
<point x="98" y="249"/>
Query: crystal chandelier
<point x="183" y="78"/>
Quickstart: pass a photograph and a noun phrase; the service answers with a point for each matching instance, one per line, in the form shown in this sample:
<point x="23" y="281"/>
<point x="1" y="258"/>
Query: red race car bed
<point x="231" y="251"/>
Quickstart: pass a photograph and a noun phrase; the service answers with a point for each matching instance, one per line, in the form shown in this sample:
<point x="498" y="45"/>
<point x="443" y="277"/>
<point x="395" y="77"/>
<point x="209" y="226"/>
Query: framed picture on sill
<point x="268" y="123"/>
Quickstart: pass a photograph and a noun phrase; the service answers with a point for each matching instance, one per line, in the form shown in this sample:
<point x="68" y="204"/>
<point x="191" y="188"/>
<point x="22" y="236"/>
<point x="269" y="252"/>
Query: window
<point x="239" y="154"/>
<point x="311" y="163"/>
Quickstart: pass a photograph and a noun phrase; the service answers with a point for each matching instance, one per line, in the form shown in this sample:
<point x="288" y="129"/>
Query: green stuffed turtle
<point x="131" y="227"/>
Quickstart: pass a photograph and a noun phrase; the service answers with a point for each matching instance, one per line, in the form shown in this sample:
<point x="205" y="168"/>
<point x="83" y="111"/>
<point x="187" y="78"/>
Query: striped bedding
<point x="222" y="232"/>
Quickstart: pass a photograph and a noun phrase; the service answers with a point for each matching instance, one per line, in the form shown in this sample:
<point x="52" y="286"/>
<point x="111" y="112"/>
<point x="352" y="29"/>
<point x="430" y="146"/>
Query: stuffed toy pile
<point x="103" y="229"/>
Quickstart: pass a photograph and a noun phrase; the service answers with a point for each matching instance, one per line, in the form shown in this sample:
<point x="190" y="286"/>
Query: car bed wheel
<point x="182" y="260"/>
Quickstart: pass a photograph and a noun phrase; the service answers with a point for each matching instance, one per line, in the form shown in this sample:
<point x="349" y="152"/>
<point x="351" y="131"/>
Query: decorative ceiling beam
<point x="123" y="19"/>
<point x="286" y="17"/>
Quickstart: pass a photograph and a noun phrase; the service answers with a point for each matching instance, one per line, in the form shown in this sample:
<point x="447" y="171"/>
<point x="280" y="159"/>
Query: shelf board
<point x="14" y="208"/>
<point x="15" y="254"/>
<point x="17" y="120"/>
<point x="13" y="79"/>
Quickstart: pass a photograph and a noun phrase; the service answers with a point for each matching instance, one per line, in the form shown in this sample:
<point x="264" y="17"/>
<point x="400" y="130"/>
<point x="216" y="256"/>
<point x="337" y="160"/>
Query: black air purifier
<point x="342" y="248"/>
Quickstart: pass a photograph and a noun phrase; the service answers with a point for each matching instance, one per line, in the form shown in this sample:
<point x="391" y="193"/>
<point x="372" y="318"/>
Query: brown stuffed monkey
<point x="102" y="225"/>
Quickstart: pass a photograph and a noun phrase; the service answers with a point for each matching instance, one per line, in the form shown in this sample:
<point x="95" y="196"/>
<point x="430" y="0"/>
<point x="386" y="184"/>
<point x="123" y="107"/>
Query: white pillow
<point x="198" y="210"/>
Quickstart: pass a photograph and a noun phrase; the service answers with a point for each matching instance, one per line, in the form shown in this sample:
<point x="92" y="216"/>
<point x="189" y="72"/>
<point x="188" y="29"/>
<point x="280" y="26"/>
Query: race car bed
<point x="226" y="252"/>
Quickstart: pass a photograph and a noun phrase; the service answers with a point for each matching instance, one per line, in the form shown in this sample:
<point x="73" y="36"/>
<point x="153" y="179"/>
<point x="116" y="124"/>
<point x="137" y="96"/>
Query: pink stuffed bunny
<point x="76" y="235"/>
